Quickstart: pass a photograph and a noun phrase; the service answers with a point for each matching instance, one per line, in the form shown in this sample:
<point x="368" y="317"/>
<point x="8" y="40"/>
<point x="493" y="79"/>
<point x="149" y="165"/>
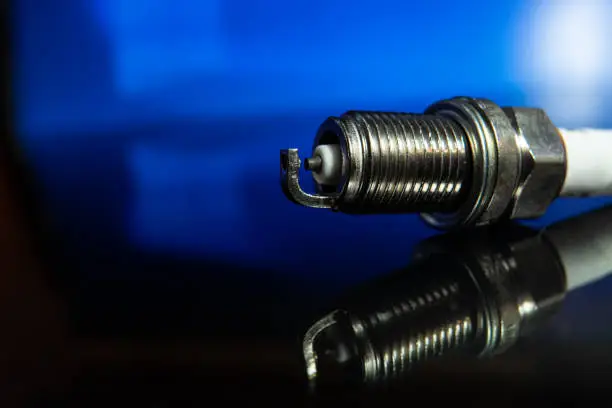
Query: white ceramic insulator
<point x="584" y="246"/>
<point x="330" y="172"/>
<point x="589" y="162"/>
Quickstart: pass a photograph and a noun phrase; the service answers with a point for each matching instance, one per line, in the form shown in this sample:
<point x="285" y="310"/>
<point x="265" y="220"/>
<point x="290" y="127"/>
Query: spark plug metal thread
<point x="475" y="300"/>
<point x="406" y="162"/>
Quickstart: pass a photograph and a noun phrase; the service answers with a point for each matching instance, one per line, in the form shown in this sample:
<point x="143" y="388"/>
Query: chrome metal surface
<point x="543" y="162"/>
<point x="495" y="158"/>
<point x="464" y="162"/>
<point x="404" y="163"/>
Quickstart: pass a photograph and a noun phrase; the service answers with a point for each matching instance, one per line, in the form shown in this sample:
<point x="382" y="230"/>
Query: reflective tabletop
<point x="525" y="307"/>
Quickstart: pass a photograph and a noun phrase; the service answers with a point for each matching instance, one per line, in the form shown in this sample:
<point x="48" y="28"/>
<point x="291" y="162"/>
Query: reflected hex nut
<point x="514" y="299"/>
<point x="523" y="285"/>
<point x="543" y="161"/>
<point x="541" y="274"/>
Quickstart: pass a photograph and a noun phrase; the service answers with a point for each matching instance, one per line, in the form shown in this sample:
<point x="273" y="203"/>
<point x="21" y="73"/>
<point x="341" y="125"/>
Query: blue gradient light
<point x="155" y="126"/>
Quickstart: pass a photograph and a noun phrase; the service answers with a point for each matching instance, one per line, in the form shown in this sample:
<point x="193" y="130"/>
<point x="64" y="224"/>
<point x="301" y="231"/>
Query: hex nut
<point x="542" y="162"/>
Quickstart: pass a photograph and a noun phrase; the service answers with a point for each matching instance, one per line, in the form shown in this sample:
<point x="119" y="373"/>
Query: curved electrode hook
<point x="290" y="182"/>
<point x="310" y="357"/>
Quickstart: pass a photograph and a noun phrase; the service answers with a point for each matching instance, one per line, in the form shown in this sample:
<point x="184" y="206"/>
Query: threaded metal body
<point x="415" y="329"/>
<point x="404" y="162"/>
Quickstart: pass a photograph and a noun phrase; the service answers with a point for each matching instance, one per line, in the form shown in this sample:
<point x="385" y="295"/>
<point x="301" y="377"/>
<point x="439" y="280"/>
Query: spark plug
<point x="464" y="162"/>
<point x="464" y="294"/>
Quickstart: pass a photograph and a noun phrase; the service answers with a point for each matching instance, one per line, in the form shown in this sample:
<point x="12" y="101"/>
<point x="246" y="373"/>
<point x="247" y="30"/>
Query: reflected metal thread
<point x="465" y="295"/>
<point x="396" y="340"/>
<point x="411" y="162"/>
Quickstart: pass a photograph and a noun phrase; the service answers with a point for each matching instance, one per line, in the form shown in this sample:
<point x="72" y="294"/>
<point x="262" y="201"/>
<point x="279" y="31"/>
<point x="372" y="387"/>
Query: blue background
<point x="154" y="127"/>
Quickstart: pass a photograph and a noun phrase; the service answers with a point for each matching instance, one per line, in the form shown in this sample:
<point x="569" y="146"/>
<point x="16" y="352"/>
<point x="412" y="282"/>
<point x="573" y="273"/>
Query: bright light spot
<point x="572" y="43"/>
<point x="527" y="307"/>
<point x="563" y="56"/>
